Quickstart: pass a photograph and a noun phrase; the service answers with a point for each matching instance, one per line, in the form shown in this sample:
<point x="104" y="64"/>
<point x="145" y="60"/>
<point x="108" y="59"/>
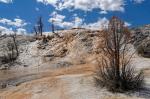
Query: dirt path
<point x="16" y="77"/>
<point x="75" y="82"/>
<point x="50" y="83"/>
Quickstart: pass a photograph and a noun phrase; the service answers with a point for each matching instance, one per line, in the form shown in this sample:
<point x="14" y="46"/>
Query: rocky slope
<point x="73" y="47"/>
<point x="61" y="67"/>
<point x="141" y="40"/>
<point x="140" y="33"/>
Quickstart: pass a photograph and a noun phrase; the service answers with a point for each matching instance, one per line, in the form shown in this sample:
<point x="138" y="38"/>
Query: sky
<point x="22" y="15"/>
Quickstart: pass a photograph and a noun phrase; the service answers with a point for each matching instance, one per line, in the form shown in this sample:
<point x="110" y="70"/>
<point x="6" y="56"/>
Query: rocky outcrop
<point x="75" y="46"/>
<point x="141" y="40"/>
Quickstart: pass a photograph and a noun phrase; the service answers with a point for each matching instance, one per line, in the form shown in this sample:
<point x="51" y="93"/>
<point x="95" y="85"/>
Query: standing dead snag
<point x="38" y="28"/>
<point x="52" y="26"/>
<point x="35" y="30"/>
<point x="115" y="72"/>
<point x="15" y="43"/>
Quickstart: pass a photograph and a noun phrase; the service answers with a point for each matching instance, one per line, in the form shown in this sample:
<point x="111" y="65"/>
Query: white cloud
<point x="103" y="12"/>
<point x="48" y="1"/>
<point x="138" y="1"/>
<point x="78" y="22"/>
<point x="37" y="9"/>
<point x="60" y="22"/>
<point x="19" y="23"/>
<point x="57" y="18"/>
<point x="127" y="24"/>
<point x="21" y="31"/>
<point x="5" y="30"/>
<point x="16" y="26"/>
<point x="16" y="22"/>
<point x="106" y="5"/>
<point x="100" y="24"/>
<point x="6" y="1"/>
<point x="65" y="24"/>
<point x="86" y="5"/>
<point x="2" y="28"/>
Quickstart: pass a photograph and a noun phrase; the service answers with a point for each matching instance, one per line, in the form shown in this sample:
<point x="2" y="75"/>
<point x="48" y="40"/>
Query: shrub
<point x="129" y="80"/>
<point x="115" y="72"/>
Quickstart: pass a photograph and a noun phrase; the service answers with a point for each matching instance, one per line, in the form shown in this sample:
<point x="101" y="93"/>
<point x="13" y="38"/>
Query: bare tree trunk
<point x="38" y="28"/>
<point x="40" y="23"/>
<point x="53" y="28"/>
<point x="35" y="30"/>
<point x="15" y="43"/>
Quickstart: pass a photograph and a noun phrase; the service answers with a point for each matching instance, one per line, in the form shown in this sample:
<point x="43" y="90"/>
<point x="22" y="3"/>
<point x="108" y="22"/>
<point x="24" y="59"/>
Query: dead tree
<point x="38" y="28"/>
<point x="115" y="71"/>
<point x="53" y="27"/>
<point x="13" y="36"/>
<point x="35" y="30"/>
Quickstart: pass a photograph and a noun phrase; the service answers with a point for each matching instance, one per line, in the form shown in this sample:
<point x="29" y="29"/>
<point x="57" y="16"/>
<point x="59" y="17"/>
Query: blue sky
<point x="22" y="15"/>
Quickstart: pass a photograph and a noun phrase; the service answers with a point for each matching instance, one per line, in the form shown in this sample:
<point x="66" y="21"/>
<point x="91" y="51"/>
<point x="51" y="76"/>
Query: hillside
<point x="62" y="68"/>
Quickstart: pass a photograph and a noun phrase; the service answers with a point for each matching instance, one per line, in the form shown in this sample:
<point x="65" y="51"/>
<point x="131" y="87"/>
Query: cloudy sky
<point x="22" y="15"/>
